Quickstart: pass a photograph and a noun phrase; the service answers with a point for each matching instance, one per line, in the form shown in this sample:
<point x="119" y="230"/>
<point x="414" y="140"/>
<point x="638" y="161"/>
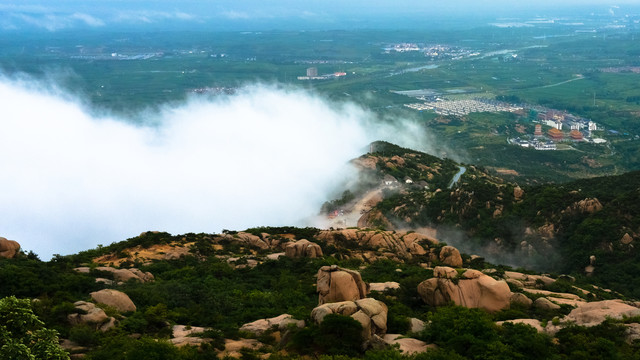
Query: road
<point x="457" y="176"/>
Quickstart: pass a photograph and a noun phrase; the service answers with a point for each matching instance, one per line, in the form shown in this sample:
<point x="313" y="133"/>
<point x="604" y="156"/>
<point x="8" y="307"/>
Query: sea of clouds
<point x="73" y="178"/>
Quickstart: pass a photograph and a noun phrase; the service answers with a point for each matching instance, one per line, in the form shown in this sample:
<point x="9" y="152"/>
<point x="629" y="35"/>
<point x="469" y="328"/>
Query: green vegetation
<point x="23" y="336"/>
<point x="207" y="291"/>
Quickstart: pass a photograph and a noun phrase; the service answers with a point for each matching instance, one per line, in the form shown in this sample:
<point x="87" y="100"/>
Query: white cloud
<point x="71" y="180"/>
<point x="235" y="15"/>
<point x="51" y="21"/>
<point x="88" y="19"/>
<point x="151" y="16"/>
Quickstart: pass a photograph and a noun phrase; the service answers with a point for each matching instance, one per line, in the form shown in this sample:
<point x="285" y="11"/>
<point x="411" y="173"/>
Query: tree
<point x="23" y="336"/>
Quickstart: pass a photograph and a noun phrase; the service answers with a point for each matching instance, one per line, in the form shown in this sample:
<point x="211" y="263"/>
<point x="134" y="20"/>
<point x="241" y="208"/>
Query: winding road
<point x="457" y="176"/>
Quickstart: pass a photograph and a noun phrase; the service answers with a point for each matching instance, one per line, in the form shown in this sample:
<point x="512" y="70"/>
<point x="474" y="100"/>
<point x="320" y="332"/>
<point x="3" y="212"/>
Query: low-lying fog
<point x="267" y="156"/>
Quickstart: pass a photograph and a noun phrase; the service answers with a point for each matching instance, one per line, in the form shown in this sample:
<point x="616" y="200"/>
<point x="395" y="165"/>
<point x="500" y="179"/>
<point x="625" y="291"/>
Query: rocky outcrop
<point x="473" y="290"/>
<point x="450" y="256"/>
<point x="416" y="325"/>
<point x="518" y="193"/>
<point x="632" y="333"/>
<point x="374" y="218"/>
<point x="89" y="313"/>
<point x="247" y="239"/>
<point x="626" y="239"/>
<point x="184" y="335"/>
<point x="520" y="299"/>
<point x="121" y="275"/>
<point x="594" y="313"/>
<point x="8" y="248"/>
<point x="337" y="284"/>
<point x="407" y="346"/>
<point x="114" y="298"/>
<point x="526" y="280"/>
<point x="303" y="249"/>
<point x="585" y="206"/>
<point x="371" y="313"/>
<point x="385" y="286"/>
<point x="401" y="243"/>
<point x="589" y="269"/>
<point x="280" y="323"/>
<point x="545" y="304"/>
<point x="232" y="348"/>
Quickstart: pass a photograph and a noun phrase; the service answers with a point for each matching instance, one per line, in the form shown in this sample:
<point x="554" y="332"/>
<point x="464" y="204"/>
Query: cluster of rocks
<point x="342" y="291"/>
<point x="119" y="275"/>
<point x="395" y="245"/>
<point x="91" y="314"/>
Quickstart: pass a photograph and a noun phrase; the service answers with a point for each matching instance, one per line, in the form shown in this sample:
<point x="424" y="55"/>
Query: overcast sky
<point x="238" y="14"/>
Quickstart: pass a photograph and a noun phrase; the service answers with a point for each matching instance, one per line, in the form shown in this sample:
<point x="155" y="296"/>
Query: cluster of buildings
<point x="432" y="50"/>
<point x="312" y="74"/>
<point x="536" y="143"/>
<point x="548" y="140"/>
<point x="580" y="129"/>
<point x="464" y="107"/>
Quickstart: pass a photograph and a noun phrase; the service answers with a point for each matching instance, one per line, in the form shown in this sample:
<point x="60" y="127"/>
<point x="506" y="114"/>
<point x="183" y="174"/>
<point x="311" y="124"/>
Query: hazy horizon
<point x="281" y="14"/>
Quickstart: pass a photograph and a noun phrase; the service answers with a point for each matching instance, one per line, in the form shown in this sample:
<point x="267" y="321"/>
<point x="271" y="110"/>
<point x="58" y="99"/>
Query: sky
<point x="273" y="14"/>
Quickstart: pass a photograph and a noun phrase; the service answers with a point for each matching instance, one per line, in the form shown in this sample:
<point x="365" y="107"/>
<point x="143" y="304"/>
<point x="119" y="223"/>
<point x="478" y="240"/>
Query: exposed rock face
<point x="518" y="193"/>
<point x="371" y="313"/>
<point x="545" y="304"/>
<point x="281" y="322"/>
<point x="473" y="289"/>
<point x="303" y="248"/>
<point x="117" y="299"/>
<point x="8" y="248"/>
<point x="594" y="313"/>
<point x="585" y="206"/>
<point x="407" y="346"/>
<point x="91" y="315"/>
<point x="626" y="239"/>
<point x="121" y="275"/>
<point x="589" y="269"/>
<point x="417" y="325"/>
<point x="547" y="231"/>
<point x="401" y="243"/>
<point x="526" y="280"/>
<point x="182" y="336"/>
<point x="520" y="299"/>
<point x="450" y="256"/>
<point x="248" y="239"/>
<point x="232" y="347"/>
<point x="374" y="218"/>
<point x="632" y="332"/>
<point x="382" y="287"/>
<point x="337" y="284"/>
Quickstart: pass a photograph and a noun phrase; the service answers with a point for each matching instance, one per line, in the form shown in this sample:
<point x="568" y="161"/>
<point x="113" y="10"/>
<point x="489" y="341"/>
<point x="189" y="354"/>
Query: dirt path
<point x="352" y="214"/>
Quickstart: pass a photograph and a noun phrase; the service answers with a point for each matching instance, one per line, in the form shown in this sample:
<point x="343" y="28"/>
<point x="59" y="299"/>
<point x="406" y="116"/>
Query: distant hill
<point x="551" y="227"/>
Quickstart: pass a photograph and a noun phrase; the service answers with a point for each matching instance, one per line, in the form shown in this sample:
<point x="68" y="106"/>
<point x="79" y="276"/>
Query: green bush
<point x="23" y="335"/>
<point x="336" y="335"/>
